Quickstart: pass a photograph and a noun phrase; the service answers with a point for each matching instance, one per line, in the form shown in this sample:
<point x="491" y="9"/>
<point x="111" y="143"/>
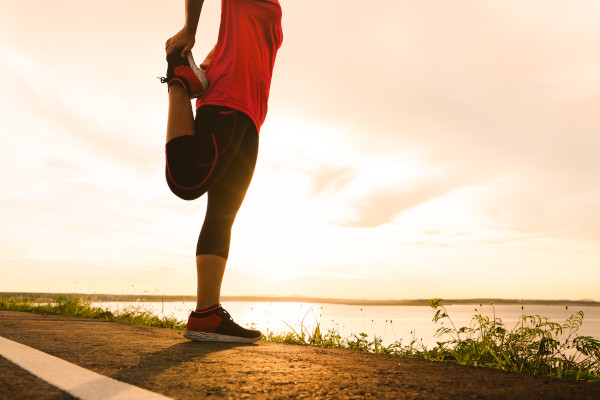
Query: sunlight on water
<point x="278" y="317"/>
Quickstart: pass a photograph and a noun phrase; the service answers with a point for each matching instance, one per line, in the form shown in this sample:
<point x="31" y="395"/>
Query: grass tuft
<point x="78" y="307"/>
<point x="534" y="345"/>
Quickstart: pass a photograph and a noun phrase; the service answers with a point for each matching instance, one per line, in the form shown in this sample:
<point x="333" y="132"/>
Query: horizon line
<point x="301" y="299"/>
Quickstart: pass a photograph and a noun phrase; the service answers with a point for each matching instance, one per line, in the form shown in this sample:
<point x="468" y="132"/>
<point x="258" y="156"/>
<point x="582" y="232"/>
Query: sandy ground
<point x="161" y="360"/>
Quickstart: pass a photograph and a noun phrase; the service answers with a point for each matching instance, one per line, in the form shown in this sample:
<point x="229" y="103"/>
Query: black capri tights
<point x="219" y="159"/>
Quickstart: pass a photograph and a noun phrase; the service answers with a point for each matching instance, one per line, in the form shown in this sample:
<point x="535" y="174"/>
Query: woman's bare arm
<point x="186" y="37"/>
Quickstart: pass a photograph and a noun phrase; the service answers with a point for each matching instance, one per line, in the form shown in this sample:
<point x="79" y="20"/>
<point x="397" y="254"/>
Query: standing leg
<point x="224" y="201"/>
<point x="211" y="269"/>
<point x="210" y="322"/>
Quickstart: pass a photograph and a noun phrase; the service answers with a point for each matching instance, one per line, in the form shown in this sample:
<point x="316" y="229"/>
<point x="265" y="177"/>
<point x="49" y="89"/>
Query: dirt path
<point x="161" y="360"/>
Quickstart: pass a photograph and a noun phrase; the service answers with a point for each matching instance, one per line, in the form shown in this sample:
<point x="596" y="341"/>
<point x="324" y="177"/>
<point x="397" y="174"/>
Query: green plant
<point x="78" y="307"/>
<point x="535" y="345"/>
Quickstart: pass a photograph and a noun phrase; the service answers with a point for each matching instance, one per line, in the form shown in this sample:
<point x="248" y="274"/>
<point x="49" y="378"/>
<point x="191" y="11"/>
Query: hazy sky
<point x="413" y="149"/>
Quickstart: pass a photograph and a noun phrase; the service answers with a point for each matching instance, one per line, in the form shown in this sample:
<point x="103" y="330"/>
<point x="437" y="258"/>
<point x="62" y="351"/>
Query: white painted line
<point x="77" y="381"/>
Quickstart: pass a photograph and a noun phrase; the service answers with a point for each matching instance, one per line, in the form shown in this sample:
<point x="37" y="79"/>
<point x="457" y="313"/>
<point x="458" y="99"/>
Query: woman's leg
<point x="224" y="201"/>
<point x="224" y="170"/>
<point x="195" y="162"/>
<point x="210" y="269"/>
<point x="180" y="120"/>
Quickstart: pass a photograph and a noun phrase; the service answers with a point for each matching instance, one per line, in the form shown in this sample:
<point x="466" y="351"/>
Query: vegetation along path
<point x="162" y="361"/>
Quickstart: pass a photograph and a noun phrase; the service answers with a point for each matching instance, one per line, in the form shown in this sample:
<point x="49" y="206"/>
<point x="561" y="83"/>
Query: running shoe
<point x="216" y="325"/>
<point x="184" y="71"/>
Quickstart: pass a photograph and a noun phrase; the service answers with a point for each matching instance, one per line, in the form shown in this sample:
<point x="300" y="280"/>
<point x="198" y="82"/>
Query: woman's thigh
<point x="195" y="163"/>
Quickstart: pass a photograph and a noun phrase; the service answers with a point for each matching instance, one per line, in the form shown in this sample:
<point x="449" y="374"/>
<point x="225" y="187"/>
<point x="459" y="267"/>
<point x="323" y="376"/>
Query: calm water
<point x="391" y="323"/>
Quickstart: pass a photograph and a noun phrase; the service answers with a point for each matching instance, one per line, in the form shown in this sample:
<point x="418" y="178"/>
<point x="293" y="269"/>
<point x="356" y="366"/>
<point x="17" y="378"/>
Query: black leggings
<point x="219" y="159"/>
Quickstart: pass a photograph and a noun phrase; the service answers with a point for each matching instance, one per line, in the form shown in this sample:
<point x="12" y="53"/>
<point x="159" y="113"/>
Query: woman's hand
<point x="184" y="39"/>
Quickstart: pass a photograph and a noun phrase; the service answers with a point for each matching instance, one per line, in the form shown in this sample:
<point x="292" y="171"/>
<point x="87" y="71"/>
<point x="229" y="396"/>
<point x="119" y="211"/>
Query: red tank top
<point x="242" y="65"/>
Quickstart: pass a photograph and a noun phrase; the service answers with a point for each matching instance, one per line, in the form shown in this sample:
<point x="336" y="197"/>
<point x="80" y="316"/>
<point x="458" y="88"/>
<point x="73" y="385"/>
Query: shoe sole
<point x="199" y="74"/>
<point x="217" y="337"/>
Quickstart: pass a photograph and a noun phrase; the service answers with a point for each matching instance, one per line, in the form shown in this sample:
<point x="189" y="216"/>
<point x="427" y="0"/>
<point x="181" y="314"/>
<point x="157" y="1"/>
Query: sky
<point x="412" y="149"/>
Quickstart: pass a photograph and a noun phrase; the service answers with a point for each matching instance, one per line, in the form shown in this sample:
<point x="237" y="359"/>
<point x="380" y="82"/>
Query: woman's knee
<point x="186" y="178"/>
<point x="215" y="236"/>
<point x="183" y="194"/>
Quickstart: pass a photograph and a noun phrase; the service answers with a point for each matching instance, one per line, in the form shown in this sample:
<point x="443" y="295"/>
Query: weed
<point x="535" y="345"/>
<point x="79" y="307"/>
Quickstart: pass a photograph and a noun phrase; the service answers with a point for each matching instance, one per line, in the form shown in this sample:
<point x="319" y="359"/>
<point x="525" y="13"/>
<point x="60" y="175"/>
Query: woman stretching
<point x="215" y="153"/>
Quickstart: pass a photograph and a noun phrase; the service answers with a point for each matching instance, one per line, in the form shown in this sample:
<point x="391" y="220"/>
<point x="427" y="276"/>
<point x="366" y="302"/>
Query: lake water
<point x="391" y="323"/>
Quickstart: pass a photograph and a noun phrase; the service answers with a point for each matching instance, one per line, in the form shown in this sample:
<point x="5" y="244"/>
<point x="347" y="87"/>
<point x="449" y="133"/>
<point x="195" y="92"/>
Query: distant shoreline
<point x="300" y="299"/>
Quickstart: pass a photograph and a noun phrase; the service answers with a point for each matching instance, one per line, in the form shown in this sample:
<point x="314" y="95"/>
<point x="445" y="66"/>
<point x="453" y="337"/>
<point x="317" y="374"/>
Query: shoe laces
<point x="225" y="314"/>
